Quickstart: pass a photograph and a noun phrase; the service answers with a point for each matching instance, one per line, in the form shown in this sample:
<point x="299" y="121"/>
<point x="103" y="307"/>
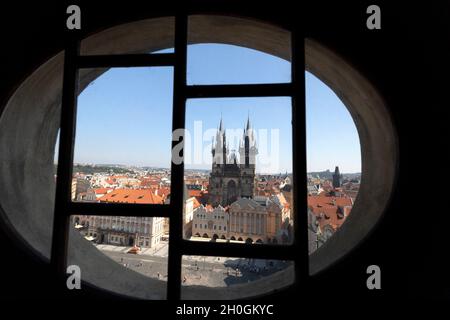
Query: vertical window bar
<point x="65" y="158"/>
<point x="177" y="169"/>
<point x="299" y="158"/>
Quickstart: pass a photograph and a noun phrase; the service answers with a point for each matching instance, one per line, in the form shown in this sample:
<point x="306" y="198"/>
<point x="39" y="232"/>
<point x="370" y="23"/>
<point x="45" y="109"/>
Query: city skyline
<point x="141" y="135"/>
<point x="121" y="165"/>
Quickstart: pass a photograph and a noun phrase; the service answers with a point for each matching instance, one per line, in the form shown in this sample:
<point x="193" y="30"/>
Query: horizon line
<point x="193" y="169"/>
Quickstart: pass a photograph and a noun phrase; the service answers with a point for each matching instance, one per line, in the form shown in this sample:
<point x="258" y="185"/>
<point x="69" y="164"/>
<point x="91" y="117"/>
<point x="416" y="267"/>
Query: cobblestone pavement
<point x="161" y="249"/>
<point x="222" y="272"/>
<point x="196" y="270"/>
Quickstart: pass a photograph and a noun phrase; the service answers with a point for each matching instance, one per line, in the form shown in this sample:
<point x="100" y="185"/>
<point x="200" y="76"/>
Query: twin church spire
<point x="247" y="147"/>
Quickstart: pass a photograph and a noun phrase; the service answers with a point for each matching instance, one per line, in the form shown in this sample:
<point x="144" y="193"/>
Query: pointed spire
<point x="220" y="124"/>
<point x="248" y="122"/>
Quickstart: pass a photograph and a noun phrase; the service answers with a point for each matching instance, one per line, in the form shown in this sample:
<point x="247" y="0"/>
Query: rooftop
<point x="132" y="196"/>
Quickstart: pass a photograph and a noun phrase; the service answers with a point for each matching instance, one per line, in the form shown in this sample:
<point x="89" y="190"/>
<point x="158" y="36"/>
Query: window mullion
<point x="299" y="158"/>
<point x="177" y="169"/>
<point x="65" y="157"/>
<point x="240" y="90"/>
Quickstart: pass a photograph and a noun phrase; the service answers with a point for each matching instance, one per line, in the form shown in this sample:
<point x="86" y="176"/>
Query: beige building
<point x="258" y="220"/>
<point x="209" y="222"/>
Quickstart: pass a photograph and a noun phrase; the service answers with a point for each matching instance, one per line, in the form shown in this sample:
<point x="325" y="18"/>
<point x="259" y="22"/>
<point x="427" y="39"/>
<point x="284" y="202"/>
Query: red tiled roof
<point x="132" y="196"/>
<point x="195" y="193"/>
<point x="329" y="210"/>
<point x="163" y="192"/>
<point x="326" y="201"/>
<point x="102" y="190"/>
<point x="328" y="216"/>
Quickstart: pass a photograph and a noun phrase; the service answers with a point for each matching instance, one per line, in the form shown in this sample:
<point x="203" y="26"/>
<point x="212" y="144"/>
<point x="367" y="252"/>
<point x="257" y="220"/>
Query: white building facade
<point x="121" y="231"/>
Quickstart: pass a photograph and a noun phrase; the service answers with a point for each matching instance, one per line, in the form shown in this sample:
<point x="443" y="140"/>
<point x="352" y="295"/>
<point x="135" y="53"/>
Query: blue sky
<point x="125" y="115"/>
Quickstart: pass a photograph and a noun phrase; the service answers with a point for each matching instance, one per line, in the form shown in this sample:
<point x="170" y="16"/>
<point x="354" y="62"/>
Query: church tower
<point x="336" y="178"/>
<point x="248" y="151"/>
<point x="219" y="149"/>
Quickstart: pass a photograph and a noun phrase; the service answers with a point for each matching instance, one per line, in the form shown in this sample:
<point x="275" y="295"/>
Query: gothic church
<point x="232" y="179"/>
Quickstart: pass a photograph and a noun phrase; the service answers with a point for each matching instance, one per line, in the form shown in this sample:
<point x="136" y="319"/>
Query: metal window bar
<point x="177" y="169"/>
<point x="300" y="189"/>
<point x="178" y="247"/>
<point x="239" y="90"/>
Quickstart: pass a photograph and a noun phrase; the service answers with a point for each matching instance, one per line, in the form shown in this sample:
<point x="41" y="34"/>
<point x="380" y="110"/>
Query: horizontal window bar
<point x="258" y="251"/>
<point x="239" y="90"/>
<point x="119" y="209"/>
<point x="126" y="60"/>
